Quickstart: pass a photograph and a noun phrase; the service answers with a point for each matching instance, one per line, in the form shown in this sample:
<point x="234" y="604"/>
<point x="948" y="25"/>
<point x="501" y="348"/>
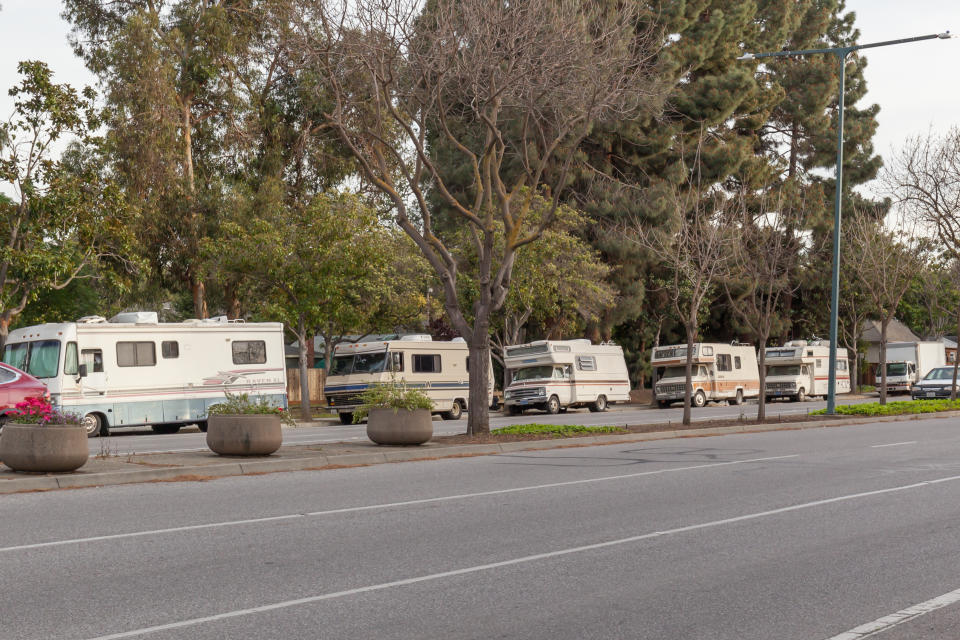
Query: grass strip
<point x="894" y="408"/>
<point x="555" y="430"/>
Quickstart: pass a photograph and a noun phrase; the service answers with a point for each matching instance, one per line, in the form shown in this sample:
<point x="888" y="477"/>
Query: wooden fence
<point x="315" y="378"/>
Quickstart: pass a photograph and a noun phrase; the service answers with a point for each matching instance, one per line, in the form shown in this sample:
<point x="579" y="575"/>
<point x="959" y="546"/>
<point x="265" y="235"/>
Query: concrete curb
<point x="430" y="451"/>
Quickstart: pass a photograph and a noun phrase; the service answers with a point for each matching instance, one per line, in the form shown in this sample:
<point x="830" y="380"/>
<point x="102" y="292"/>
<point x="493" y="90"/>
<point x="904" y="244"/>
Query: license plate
<point x="931" y="394"/>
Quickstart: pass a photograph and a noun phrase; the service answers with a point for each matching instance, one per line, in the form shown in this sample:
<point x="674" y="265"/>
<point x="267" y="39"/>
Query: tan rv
<point x="720" y="372"/>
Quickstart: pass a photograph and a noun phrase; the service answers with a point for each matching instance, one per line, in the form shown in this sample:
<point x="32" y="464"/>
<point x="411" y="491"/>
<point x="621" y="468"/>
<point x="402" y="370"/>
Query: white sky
<point x="915" y="84"/>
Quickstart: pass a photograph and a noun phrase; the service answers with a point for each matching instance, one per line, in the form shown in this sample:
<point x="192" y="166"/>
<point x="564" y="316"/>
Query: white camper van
<point x="134" y="371"/>
<point x="553" y="375"/>
<point x="437" y="367"/>
<point x="798" y="369"/>
<point x="720" y="372"/>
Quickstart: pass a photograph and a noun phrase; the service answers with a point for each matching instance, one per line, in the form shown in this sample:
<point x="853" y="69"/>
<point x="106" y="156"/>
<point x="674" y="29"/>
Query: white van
<point x="436" y="367"/>
<point x="720" y="372"/>
<point x="797" y="370"/>
<point x="552" y="375"/>
<point x="134" y="371"/>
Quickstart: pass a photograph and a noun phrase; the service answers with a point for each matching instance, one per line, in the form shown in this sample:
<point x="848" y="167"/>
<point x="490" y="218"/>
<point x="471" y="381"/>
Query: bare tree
<point x="510" y="87"/>
<point x="697" y="253"/>
<point x="924" y="178"/>
<point x="884" y="263"/>
<point x="764" y="253"/>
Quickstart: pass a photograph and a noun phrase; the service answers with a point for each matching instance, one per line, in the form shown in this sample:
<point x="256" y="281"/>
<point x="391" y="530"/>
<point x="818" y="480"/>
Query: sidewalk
<point x="206" y="465"/>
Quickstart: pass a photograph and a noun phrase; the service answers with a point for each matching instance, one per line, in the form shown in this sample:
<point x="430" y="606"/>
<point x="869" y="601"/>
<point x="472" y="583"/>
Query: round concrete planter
<point x="44" y="448"/>
<point x="250" y="434"/>
<point x="399" y="426"/>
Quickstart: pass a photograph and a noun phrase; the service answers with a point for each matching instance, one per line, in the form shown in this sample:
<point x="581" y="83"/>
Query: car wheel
<point x="165" y="428"/>
<point x="699" y="399"/>
<point x="801" y="395"/>
<point x="92" y="424"/>
<point x="599" y="405"/>
<point x="738" y="399"/>
<point x="553" y="405"/>
<point x="456" y="410"/>
<point x="346" y="417"/>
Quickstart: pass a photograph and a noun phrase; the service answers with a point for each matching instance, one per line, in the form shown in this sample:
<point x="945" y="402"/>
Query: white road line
<point x="892" y="444"/>
<point x="904" y="615"/>
<point x="514" y="561"/>
<point x="372" y="507"/>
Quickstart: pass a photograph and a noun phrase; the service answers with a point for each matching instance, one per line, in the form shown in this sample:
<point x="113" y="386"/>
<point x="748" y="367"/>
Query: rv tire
<point x="801" y="395"/>
<point x="93" y="423"/>
<point x="738" y="399"/>
<point x="514" y="410"/>
<point x="599" y="405"/>
<point x="663" y="404"/>
<point x="699" y="399"/>
<point x="553" y="405"/>
<point x="456" y="410"/>
<point x="346" y="417"/>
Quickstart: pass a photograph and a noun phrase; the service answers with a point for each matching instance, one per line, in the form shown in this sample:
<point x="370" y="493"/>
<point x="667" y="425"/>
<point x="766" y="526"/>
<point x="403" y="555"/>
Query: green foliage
<point x="893" y="408"/>
<point x="553" y="430"/>
<point x="394" y="395"/>
<point x="242" y="404"/>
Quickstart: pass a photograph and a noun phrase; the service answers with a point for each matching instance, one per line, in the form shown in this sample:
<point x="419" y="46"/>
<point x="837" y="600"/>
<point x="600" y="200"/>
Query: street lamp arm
<point x="843" y="51"/>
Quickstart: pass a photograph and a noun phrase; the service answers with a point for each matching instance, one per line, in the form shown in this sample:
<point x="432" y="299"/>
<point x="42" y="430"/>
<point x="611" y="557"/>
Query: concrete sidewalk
<point x="108" y="469"/>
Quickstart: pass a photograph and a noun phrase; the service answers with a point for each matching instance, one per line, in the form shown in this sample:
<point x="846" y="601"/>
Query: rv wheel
<point x="553" y="405"/>
<point x="699" y="399"/>
<point x="456" y="410"/>
<point x="738" y="400"/>
<point x="346" y="417"/>
<point x="801" y="395"/>
<point x="514" y="410"/>
<point x="92" y="423"/>
<point x="599" y="405"/>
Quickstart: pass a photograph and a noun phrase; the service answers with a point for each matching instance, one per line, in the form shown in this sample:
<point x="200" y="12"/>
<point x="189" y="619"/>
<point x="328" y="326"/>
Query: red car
<point x="16" y="386"/>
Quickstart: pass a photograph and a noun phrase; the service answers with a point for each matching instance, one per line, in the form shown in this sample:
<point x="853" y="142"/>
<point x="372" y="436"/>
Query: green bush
<point x="867" y="388"/>
<point x="893" y="408"/>
<point x="241" y="404"/>
<point x="554" y="430"/>
<point x="394" y="395"/>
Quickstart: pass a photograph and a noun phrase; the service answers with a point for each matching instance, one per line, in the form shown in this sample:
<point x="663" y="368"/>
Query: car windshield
<point x="940" y="373"/>
<point x="40" y="358"/>
<point x="533" y="373"/>
<point x="897" y="369"/>
<point x="784" y="370"/>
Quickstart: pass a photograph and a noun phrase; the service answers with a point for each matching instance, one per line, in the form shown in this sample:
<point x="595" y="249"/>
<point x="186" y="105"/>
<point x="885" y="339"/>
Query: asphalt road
<point x="791" y="535"/>
<point x="143" y="440"/>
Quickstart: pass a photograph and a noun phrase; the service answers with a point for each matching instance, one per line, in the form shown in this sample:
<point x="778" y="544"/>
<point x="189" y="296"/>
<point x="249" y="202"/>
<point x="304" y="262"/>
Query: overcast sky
<point x="916" y="85"/>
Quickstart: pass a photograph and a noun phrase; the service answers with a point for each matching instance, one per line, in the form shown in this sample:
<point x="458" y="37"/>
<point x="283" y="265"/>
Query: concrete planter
<point x="399" y="426"/>
<point x="244" y="435"/>
<point x="44" y="448"/>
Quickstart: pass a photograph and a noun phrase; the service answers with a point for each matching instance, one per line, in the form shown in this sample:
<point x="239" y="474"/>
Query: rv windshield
<point x="784" y="370"/>
<point x="533" y="373"/>
<point x="897" y="369"/>
<point x="40" y="358"/>
<point x="358" y="363"/>
<point x="681" y="372"/>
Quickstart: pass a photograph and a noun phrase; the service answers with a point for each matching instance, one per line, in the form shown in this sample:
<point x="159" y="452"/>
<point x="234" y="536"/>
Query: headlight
<point x="541" y="391"/>
<point x="507" y="394"/>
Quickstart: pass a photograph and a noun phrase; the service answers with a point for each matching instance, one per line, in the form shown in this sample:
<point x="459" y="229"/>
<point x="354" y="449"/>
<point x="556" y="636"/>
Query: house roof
<point x="896" y="332"/>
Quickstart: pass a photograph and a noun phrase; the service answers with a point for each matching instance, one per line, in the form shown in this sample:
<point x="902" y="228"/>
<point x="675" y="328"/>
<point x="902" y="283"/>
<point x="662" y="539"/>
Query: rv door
<point x="95" y="382"/>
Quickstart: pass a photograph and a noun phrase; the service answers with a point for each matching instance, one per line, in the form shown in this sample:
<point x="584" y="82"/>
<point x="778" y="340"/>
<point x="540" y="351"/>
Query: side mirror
<point x="82" y="371"/>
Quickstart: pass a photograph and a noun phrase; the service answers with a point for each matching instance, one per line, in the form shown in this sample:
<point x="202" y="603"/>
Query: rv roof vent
<point x="417" y="337"/>
<point x="581" y="341"/>
<point x="796" y="343"/>
<point x="458" y="339"/>
<point x="139" y="317"/>
<point x="91" y="320"/>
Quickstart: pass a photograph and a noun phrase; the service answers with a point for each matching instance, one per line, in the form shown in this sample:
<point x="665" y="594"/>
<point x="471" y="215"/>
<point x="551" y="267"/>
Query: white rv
<point x="720" y="372"/>
<point x="798" y="369"/>
<point x="438" y="368"/>
<point x="552" y="375"/>
<point x="134" y="371"/>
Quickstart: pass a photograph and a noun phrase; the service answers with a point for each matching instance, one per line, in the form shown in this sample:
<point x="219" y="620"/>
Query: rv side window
<point x="93" y="358"/>
<point x="586" y="363"/>
<point x="426" y="363"/>
<point x="170" y="349"/>
<point x="842" y="365"/>
<point x="70" y="360"/>
<point x="736" y="362"/>
<point x="723" y="362"/>
<point x="396" y="361"/>
<point x="136" y="354"/>
<point x="249" y="352"/>
<point x="708" y="351"/>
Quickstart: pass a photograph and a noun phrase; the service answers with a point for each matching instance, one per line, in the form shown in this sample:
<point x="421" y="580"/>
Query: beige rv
<point x="720" y="372"/>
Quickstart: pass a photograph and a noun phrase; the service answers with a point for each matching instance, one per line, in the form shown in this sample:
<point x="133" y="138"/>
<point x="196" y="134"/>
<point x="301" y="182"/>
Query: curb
<point x="427" y="452"/>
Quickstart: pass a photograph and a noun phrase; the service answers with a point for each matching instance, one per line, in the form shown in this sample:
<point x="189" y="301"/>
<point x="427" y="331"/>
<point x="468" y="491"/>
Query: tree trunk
<point x="4" y="330"/>
<point x="762" y="399"/>
<point x="883" y="360"/>
<point x="688" y="372"/>
<point x="956" y="355"/>
<point x="478" y="414"/>
<point x="302" y="361"/>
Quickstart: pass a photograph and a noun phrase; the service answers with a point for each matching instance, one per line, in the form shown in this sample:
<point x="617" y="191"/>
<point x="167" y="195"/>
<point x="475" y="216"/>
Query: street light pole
<point x="841" y="53"/>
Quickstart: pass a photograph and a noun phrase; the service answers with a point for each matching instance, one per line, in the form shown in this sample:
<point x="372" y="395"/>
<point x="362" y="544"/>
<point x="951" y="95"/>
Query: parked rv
<point x="553" y="375"/>
<point x="798" y="369"/>
<point x="134" y="371"/>
<point x="907" y="362"/>
<point x="720" y="372"/>
<point x="437" y="367"/>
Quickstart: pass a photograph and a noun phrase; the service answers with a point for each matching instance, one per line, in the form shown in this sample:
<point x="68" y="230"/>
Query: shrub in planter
<point x="42" y="439"/>
<point x="396" y="414"/>
<point x="244" y="427"/>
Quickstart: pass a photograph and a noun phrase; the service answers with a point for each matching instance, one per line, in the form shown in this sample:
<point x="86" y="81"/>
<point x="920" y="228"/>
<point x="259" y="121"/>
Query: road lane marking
<point x="191" y="622"/>
<point x="892" y="444"/>
<point x="373" y="507"/>
<point x="904" y="615"/>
